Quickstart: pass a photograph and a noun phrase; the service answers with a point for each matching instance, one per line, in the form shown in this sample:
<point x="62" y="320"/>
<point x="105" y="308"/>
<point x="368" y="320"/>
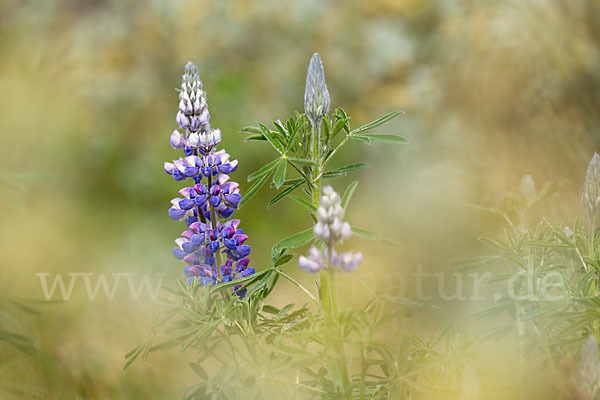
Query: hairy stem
<point x="316" y="179"/>
<point x="327" y="278"/>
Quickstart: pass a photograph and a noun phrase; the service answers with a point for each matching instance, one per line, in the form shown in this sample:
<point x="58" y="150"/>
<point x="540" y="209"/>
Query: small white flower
<point x="331" y="229"/>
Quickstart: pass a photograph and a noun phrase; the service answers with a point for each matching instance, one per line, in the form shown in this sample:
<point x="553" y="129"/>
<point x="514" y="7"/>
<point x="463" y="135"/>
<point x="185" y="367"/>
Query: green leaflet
<point x="253" y="189"/>
<point x="348" y="193"/>
<point x="345" y="169"/>
<point x="384" y="138"/>
<point x="263" y="170"/>
<point x="279" y="175"/>
<point x="378" y="122"/>
<point x="284" y="193"/>
<point x="296" y="240"/>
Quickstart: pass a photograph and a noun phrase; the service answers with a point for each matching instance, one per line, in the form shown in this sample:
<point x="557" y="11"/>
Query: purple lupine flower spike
<point x="210" y="238"/>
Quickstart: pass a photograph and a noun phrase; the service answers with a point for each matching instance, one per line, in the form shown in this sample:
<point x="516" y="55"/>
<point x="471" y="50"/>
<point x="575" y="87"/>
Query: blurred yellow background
<point x="492" y="90"/>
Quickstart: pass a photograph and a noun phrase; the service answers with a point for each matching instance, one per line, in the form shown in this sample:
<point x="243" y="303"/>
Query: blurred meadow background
<point x="492" y="90"/>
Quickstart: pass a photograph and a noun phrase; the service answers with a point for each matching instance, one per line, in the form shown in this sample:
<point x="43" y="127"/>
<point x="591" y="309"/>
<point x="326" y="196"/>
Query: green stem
<point x="327" y="293"/>
<point x="298" y="285"/>
<point x="306" y="178"/>
<point x="316" y="189"/>
<point x="332" y="286"/>
<point x="213" y="221"/>
<point x="363" y="371"/>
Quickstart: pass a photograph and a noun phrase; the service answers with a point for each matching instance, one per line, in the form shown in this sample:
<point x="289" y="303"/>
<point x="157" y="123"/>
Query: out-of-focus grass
<point x="492" y="90"/>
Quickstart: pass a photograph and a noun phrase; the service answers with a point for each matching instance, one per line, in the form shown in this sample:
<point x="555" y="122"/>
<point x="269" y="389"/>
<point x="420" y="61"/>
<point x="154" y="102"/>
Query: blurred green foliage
<point x="491" y="90"/>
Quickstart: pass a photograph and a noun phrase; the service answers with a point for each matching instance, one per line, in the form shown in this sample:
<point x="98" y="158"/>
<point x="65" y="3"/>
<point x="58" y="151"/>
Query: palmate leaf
<point x="248" y="280"/>
<point x="260" y="285"/>
<point x="376" y="123"/>
<point x="276" y="253"/>
<point x="384" y="138"/>
<point x="348" y="193"/>
<point x="251" y="130"/>
<point x="283" y="259"/>
<point x="342" y="171"/>
<point x="278" y="125"/>
<point x="133" y="354"/>
<point x="305" y="203"/>
<point x="296" y="240"/>
<point x="326" y="128"/>
<point x="302" y="161"/>
<point x="295" y="129"/>
<point x="272" y="138"/>
<point x="255" y="137"/>
<point x="362" y="139"/>
<point x="254" y="133"/>
<point x="263" y="170"/>
<point x="253" y="189"/>
<point x="284" y="193"/>
<point x="365" y="234"/>
<point x="290" y="182"/>
<point x="340" y="114"/>
<point x="279" y="176"/>
<point x="199" y="370"/>
<point x="340" y="123"/>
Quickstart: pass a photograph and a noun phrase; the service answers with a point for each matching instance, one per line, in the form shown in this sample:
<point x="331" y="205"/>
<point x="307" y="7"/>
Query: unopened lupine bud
<point x="590" y="194"/>
<point x="316" y="96"/>
<point x="527" y="188"/>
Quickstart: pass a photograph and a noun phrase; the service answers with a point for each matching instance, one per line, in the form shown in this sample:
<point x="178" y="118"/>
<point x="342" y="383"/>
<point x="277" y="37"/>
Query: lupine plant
<point x="549" y="278"/>
<point x="209" y="237"/>
<point x="248" y="348"/>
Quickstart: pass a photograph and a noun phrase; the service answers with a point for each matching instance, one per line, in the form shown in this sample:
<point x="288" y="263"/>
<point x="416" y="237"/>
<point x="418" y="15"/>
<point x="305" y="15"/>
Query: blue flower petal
<point x="186" y="204"/>
<point x="178" y="253"/>
<point x="176" y="213"/>
<point x="243" y="250"/>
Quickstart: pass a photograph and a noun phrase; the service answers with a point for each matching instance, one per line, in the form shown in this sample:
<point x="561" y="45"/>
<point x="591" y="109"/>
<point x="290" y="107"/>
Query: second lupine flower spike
<point x="205" y="207"/>
<point x="331" y="229"/>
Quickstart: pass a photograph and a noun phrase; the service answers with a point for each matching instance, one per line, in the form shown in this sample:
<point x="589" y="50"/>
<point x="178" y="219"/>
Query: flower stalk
<point x="205" y="208"/>
<point x="329" y="228"/>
